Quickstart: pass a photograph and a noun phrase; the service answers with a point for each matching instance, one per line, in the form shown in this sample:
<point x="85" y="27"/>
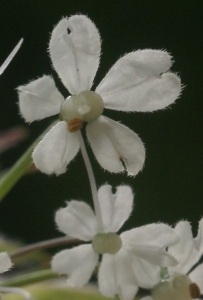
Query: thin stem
<point x="92" y="183"/>
<point x="43" y="245"/>
<point x="29" y="278"/>
<point x="20" y="167"/>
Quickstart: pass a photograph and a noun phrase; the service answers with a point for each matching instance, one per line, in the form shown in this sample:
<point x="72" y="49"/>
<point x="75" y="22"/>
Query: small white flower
<point x="5" y="262"/>
<point x="183" y="284"/>
<point x="129" y="260"/>
<point x="139" y="81"/>
<point x="188" y="251"/>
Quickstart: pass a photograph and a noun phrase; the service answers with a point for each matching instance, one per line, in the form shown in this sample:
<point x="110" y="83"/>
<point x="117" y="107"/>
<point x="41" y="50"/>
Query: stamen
<point x="194" y="290"/>
<point x="75" y="125"/>
<point x="10" y="57"/>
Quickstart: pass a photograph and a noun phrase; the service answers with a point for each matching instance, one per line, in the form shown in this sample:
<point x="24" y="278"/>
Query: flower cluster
<point x="139" y="81"/>
<point x="184" y="280"/>
<point x="130" y="260"/>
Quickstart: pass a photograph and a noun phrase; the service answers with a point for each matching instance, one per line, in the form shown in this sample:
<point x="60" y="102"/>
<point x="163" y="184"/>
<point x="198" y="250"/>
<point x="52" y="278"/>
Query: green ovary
<point x="177" y="288"/>
<point x="86" y="106"/>
<point x="106" y="243"/>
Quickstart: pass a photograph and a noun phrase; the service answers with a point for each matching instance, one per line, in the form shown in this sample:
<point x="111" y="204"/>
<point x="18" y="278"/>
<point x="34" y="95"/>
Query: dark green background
<point x="170" y="187"/>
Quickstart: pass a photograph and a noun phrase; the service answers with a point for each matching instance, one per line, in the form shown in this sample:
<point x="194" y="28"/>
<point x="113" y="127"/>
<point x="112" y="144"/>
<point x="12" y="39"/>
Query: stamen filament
<point x="10" y="57"/>
<point x="92" y="182"/>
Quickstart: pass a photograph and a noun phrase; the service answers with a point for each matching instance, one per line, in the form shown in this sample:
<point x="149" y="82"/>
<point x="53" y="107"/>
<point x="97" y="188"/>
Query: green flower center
<point x="178" y="287"/>
<point x="87" y="106"/>
<point x="106" y="243"/>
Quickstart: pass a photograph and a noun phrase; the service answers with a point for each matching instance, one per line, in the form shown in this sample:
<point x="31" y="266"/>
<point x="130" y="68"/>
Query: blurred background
<point x="170" y="187"/>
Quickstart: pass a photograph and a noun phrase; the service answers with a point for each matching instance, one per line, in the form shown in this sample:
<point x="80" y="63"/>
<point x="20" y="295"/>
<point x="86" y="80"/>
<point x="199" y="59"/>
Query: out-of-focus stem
<point x="43" y="245"/>
<point x="20" y="167"/>
<point x="29" y="278"/>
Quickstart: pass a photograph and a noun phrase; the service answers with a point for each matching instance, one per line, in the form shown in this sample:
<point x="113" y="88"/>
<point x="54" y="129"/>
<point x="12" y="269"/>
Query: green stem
<point x="30" y="278"/>
<point x="20" y="167"/>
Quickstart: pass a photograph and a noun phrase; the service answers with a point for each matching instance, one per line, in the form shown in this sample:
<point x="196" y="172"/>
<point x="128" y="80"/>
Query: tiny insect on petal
<point x="194" y="290"/>
<point x="75" y="125"/>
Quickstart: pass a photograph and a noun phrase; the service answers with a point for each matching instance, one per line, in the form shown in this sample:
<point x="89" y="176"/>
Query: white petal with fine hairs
<point x="56" y="150"/>
<point x="75" y="52"/>
<point x="138" y="82"/>
<point x="39" y="99"/>
<point x="115" y="208"/>
<point x="77" y="220"/>
<point x="146" y="274"/>
<point x="5" y="262"/>
<point x="111" y="142"/>
<point x="184" y="251"/>
<point x="149" y="242"/>
<point x="116" y="276"/>
<point x="78" y="263"/>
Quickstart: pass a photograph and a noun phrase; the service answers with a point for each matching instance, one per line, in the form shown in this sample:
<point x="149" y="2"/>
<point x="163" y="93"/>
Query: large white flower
<point x="129" y="260"/>
<point x="139" y="81"/>
<point x="186" y="278"/>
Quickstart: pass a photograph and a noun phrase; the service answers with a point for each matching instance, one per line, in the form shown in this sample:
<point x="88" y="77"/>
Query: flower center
<point x="106" y="243"/>
<point x="179" y="287"/>
<point x="87" y="106"/>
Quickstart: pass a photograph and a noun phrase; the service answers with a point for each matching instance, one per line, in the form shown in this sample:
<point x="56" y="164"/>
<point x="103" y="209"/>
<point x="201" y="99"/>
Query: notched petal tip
<point x="75" y="52"/>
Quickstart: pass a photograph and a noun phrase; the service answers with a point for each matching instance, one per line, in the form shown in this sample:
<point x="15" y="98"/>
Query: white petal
<point x="111" y="142"/>
<point x="39" y="99"/>
<point x="5" y="262"/>
<point x="56" y="149"/>
<point x="77" y="220"/>
<point x="135" y="82"/>
<point x="147" y="298"/>
<point x="149" y="242"/>
<point x="197" y="277"/>
<point x="75" y="50"/>
<point x="116" y="276"/>
<point x="78" y="263"/>
<point x="184" y="251"/>
<point x="198" y="241"/>
<point x="146" y="274"/>
<point x="115" y="208"/>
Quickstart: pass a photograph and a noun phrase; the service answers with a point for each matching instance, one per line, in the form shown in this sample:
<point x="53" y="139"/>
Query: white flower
<point x="5" y="262"/>
<point x="188" y="251"/>
<point x="183" y="283"/>
<point x="139" y="81"/>
<point x="129" y="260"/>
